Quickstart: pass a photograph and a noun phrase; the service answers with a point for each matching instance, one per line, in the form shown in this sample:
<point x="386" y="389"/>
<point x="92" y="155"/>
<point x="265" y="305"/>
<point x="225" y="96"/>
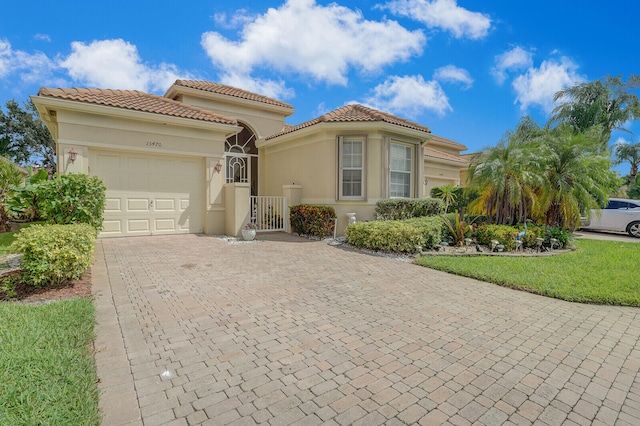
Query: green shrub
<point x="530" y="238"/>
<point x="10" y="177"/>
<point x="72" y="198"/>
<point x="504" y="234"/>
<point x="457" y="227"/>
<point x="22" y="205"/>
<point x="396" y="235"/>
<point x="562" y="235"/>
<point x="8" y="287"/>
<point x="634" y="191"/>
<point x="315" y="221"/>
<point x="54" y="254"/>
<point x="407" y="208"/>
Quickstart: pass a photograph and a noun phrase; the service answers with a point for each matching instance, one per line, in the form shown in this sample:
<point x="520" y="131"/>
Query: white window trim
<point x="363" y="195"/>
<point x="412" y="172"/>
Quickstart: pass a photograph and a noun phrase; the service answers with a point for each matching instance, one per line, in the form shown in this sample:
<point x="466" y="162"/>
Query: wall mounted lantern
<point x="72" y="155"/>
<point x="218" y="166"/>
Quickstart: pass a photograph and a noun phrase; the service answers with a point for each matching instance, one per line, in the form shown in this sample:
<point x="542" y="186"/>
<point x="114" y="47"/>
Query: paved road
<point x="192" y="330"/>
<point x="609" y="236"/>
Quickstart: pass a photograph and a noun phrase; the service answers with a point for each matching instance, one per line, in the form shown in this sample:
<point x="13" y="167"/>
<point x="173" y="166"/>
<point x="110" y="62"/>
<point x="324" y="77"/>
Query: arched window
<point x="242" y="158"/>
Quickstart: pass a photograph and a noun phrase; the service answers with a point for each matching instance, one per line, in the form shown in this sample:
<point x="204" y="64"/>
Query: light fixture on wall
<point x="426" y="181"/>
<point x="218" y="166"/>
<point x="72" y="155"/>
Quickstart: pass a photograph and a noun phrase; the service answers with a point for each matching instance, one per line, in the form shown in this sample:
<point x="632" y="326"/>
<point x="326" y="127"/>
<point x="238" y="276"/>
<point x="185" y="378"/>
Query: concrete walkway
<point x="192" y="330"/>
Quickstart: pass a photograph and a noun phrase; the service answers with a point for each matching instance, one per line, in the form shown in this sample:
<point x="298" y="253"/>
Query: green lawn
<point x="6" y="238"/>
<point x="603" y="272"/>
<point x="47" y="371"/>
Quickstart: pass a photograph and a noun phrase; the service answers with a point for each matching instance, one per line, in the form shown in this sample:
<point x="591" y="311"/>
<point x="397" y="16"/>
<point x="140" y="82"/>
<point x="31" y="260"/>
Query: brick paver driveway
<point x="289" y="331"/>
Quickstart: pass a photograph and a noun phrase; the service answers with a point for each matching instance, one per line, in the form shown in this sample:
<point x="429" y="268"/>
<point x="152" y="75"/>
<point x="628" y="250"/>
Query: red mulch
<point x="34" y="296"/>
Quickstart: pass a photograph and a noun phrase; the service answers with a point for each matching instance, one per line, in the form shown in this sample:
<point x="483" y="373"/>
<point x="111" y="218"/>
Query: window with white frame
<point x="351" y="168"/>
<point x="400" y="166"/>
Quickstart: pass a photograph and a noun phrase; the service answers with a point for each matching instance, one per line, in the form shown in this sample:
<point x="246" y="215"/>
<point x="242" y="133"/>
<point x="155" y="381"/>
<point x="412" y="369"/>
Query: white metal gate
<point x="271" y="214"/>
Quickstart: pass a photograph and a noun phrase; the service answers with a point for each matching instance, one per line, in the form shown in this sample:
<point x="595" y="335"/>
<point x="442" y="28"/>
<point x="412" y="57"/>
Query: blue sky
<point x="467" y="69"/>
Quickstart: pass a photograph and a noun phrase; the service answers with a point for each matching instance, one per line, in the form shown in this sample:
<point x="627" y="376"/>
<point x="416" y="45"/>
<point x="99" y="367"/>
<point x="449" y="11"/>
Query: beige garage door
<point x="149" y="194"/>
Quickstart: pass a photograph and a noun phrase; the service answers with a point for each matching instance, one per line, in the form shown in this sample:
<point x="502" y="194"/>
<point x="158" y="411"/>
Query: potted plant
<point x="249" y="231"/>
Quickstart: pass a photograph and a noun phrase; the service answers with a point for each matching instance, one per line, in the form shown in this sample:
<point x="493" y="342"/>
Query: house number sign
<point x="154" y="144"/>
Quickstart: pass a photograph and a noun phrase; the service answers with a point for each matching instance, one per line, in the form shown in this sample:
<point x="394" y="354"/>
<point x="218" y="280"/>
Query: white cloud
<point x="322" y="42"/>
<point x="116" y="64"/>
<point x="42" y="37"/>
<point x="270" y="88"/>
<point x="453" y="74"/>
<point x="445" y="14"/>
<point x="5" y="57"/>
<point x="538" y="85"/>
<point x="410" y="96"/>
<point x="239" y="19"/>
<point x="31" y="67"/>
<point x="511" y="60"/>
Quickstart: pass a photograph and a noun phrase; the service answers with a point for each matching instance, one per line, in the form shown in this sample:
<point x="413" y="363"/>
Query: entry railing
<point x="270" y="214"/>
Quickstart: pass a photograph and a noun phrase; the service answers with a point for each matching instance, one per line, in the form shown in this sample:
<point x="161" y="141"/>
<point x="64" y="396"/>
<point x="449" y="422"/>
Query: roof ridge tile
<point x="355" y="113"/>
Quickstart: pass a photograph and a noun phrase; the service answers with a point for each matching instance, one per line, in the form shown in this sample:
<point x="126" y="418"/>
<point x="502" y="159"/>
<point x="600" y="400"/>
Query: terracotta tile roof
<point x="136" y="101"/>
<point x="434" y="153"/>
<point x="355" y="113"/>
<point x="222" y="89"/>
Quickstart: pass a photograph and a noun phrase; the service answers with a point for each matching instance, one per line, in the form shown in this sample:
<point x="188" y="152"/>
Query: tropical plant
<point x="22" y="205"/>
<point x="447" y="193"/>
<point x="576" y="178"/>
<point x="606" y="105"/>
<point x="507" y="175"/>
<point x="458" y="228"/>
<point x="316" y="221"/>
<point x="634" y="191"/>
<point x="629" y="153"/>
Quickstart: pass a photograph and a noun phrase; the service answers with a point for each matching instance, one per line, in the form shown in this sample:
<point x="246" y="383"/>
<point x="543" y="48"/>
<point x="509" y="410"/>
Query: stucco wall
<point x="311" y="161"/>
<point x="263" y="122"/>
<point x="84" y="132"/>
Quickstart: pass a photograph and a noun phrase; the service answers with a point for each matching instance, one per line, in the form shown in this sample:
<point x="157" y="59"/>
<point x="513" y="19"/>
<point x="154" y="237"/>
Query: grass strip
<point x="47" y="371"/>
<point x="603" y="272"/>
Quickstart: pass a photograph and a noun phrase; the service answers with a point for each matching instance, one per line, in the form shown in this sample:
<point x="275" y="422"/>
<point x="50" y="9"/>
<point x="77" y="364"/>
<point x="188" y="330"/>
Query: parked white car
<point x="619" y="215"/>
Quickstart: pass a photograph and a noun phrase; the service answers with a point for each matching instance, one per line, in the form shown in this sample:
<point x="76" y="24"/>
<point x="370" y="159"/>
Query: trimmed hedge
<point x="404" y="236"/>
<point x="504" y="234"/>
<point x="55" y="254"/>
<point x="407" y="208"/>
<point x="315" y="221"/>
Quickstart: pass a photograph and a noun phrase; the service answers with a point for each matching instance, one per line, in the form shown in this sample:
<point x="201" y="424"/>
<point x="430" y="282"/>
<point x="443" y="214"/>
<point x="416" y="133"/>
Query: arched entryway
<point x="241" y="158"/>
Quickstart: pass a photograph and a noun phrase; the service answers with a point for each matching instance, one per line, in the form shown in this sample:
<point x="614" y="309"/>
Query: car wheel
<point x="634" y="229"/>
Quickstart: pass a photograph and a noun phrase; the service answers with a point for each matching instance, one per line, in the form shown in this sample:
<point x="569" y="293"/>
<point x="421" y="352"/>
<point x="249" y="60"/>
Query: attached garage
<point x="160" y="160"/>
<point x="150" y="194"/>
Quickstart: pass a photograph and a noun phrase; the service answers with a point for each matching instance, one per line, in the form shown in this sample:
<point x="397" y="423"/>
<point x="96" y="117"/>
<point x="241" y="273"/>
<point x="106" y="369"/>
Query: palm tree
<point x="446" y="193"/>
<point x="629" y="152"/>
<point x="576" y="179"/>
<point x="606" y="104"/>
<point x="507" y="175"/>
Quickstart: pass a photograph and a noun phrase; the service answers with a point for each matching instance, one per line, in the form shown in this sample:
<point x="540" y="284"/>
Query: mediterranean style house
<point x="209" y="158"/>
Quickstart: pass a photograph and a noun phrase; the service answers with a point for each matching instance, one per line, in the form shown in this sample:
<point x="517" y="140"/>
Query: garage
<point x="149" y="194"/>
